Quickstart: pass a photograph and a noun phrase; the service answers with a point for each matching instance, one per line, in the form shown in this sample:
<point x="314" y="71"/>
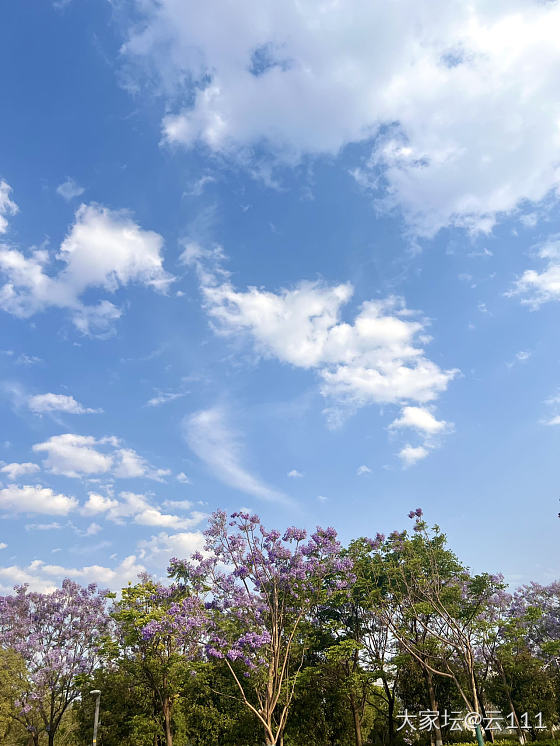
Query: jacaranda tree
<point x="159" y="629"/>
<point x="58" y="637"/>
<point x="261" y="591"/>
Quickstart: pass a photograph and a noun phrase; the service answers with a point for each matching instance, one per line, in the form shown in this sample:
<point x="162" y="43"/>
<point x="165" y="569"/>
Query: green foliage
<point x="415" y="629"/>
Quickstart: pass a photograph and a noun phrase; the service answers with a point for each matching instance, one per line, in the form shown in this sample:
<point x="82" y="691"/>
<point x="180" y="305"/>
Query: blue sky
<point x="303" y="259"/>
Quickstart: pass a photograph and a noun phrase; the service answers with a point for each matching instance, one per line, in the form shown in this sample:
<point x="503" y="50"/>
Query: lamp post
<point x="97" y="693"/>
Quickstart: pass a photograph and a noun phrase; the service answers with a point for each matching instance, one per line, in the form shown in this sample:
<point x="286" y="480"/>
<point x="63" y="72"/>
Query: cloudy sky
<point x="299" y="257"/>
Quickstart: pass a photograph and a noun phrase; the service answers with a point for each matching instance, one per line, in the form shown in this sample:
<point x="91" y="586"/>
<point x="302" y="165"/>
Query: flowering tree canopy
<point x="261" y="589"/>
<point x="159" y="628"/>
<point x="58" y="636"/>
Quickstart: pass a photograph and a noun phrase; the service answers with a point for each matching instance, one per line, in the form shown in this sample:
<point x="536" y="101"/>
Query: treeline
<point x="286" y="639"/>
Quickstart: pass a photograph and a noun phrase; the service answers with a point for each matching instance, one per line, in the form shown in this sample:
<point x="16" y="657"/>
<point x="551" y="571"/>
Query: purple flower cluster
<point x="58" y="636"/>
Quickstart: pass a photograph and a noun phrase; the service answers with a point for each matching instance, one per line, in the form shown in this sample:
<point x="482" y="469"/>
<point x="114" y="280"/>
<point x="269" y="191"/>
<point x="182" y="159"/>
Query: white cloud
<point x="98" y="504"/>
<point x="197" y="188"/>
<point x="461" y="97"/>
<point x="210" y="437"/>
<point x="182" y="477"/>
<point x="7" y="205"/>
<point x="35" y="499"/>
<point x="412" y="454"/>
<point x="161" y="548"/>
<point x="69" y="189"/>
<point x="44" y="403"/>
<point x="83" y="455"/>
<point x="3" y="545"/>
<point x="420" y="419"/>
<point x="163" y="397"/>
<point x="53" y="526"/>
<point x="74" y="455"/>
<point x="536" y="288"/>
<point x="178" y="504"/>
<point x="376" y="358"/>
<point x="553" y="403"/>
<point x="130" y="465"/>
<point x="520" y="357"/>
<point x="363" y="469"/>
<point x="16" y="470"/>
<point x="138" y="508"/>
<point x="104" y="249"/>
<point x="295" y="474"/>
<point x="44" y="577"/>
<point x="424" y="422"/>
<point x="92" y="529"/>
<point x="25" y="359"/>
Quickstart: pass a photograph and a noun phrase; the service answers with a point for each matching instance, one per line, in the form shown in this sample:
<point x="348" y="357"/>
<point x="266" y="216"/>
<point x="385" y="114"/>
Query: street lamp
<point x="97" y="693"/>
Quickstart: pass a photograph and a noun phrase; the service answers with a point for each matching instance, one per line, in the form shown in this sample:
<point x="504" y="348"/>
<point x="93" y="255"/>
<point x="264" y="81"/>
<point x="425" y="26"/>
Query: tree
<point x="159" y="629"/>
<point x="58" y="636"/>
<point x="434" y="607"/>
<point x="260" y="608"/>
<point x="13" y="684"/>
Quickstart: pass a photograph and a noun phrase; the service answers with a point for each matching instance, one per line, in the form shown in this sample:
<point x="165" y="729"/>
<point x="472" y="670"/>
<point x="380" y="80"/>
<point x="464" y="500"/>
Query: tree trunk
<point x="434" y="707"/>
<point x="391" y="718"/>
<point x="167" y="721"/>
<point x="520" y="733"/>
<point x="356" y="720"/>
<point x="489" y="732"/>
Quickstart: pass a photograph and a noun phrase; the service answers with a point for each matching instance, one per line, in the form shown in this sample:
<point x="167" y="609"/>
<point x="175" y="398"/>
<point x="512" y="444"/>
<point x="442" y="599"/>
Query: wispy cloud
<point x="215" y="442"/>
<point x="69" y="189"/>
<point x="163" y="397"/>
<point x="7" y="205"/>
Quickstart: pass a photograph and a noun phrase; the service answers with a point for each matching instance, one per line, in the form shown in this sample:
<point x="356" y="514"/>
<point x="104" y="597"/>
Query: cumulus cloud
<point x="458" y="99"/>
<point x="295" y="474"/>
<point x="69" y="189"/>
<point x="7" y="205"/>
<point x="45" y="403"/>
<point x="44" y="577"/>
<point x="139" y="509"/>
<point x="159" y="549"/>
<point x="378" y="357"/>
<point x="212" y="439"/>
<point x="420" y="419"/>
<point x="35" y="499"/>
<point x="104" y="249"/>
<point x="363" y="469"/>
<point x="412" y="454"/>
<point x="426" y="425"/>
<point x="16" y="470"/>
<point x="75" y="455"/>
<point x="536" y="288"/>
